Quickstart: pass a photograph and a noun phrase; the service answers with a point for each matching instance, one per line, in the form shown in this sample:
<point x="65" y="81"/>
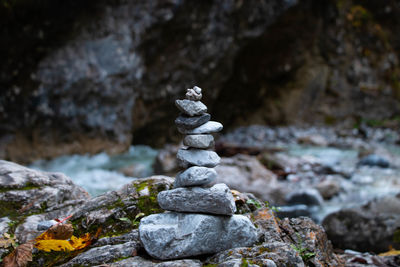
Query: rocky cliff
<point x="83" y="77"/>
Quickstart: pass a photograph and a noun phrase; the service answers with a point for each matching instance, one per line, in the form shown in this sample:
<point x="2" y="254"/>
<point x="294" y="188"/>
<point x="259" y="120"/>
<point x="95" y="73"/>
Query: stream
<point x="358" y="184"/>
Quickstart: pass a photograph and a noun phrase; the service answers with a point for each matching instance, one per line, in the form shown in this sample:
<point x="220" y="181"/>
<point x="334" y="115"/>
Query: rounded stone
<point x="199" y="141"/>
<point x="197" y="157"/>
<point x="195" y="176"/>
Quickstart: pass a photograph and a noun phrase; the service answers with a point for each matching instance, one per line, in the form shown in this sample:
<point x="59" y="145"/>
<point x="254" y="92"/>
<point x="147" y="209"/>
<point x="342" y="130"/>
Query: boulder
<point x="307" y="196"/>
<point x="173" y="235"/>
<point x="374" y="160"/>
<point x="28" y="197"/>
<point x="246" y="174"/>
<point x="215" y="200"/>
<point x="197" y="157"/>
<point x="373" y="227"/>
<point x="195" y="176"/>
<point x="142" y="262"/>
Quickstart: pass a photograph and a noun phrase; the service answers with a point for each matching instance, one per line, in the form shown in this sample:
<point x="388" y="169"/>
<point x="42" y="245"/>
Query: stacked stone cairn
<point x="199" y="219"/>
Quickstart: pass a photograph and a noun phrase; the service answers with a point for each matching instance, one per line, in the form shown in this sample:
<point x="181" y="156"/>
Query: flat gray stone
<point x="174" y="235"/>
<point x="199" y="140"/>
<point x="206" y="128"/>
<point x="215" y="200"/>
<point x="197" y="157"/>
<point x="195" y="176"/>
<point x="188" y="122"/>
<point x="191" y="108"/>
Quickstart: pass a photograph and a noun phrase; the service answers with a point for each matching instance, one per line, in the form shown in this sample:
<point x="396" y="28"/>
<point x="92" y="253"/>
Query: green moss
<point x="210" y="265"/>
<point x="117" y="204"/>
<point x="142" y="185"/>
<point x="10" y="209"/>
<point x="28" y="186"/>
<point x="244" y="263"/>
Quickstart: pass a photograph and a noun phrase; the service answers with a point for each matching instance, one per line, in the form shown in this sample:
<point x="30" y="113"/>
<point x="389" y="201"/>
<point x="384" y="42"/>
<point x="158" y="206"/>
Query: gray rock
<point x="246" y="174"/>
<point x="215" y="200"/>
<point x="141" y="262"/>
<point x="104" y="254"/>
<point x="176" y="235"/>
<point x="115" y="240"/>
<point x="207" y="128"/>
<point x="197" y="157"/>
<point x="4" y="224"/>
<point x="187" y="122"/>
<point x="237" y="263"/>
<point x="194" y="94"/>
<point x="282" y="254"/>
<point x="191" y="108"/>
<point x="370" y="228"/>
<point x="44" y="225"/>
<point x="29" y="190"/>
<point x="199" y="141"/>
<point x="195" y="176"/>
<point x="374" y="160"/>
<point x="308" y="196"/>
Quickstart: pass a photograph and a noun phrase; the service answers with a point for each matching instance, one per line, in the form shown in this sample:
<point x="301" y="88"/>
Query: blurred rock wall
<point x="80" y="77"/>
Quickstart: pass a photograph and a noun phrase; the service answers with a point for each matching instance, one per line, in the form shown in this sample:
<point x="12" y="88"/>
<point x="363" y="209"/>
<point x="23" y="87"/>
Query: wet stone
<point x="191" y="108"/>
<point x="195" y="176"/>
<point x="199" y="141"/>
<point x="207" y="128"/>
<point x="215" y="200"/>
<point x="187" y="122"/>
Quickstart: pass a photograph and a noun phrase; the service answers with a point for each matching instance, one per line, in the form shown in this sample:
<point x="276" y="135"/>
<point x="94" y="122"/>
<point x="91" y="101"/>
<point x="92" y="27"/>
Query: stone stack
<point x="200" y="219"/>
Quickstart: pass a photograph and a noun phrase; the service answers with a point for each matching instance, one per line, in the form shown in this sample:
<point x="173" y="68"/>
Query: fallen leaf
<point x="391" y="252"/>
<point x="20" y="256"/>
<point x="82" y="242"/>
<point x="54" y="244"/>
<point x="57" y="231"/>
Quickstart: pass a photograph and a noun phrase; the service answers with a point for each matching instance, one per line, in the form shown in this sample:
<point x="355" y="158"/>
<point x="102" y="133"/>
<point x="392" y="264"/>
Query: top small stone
<point x="194" y="93"/>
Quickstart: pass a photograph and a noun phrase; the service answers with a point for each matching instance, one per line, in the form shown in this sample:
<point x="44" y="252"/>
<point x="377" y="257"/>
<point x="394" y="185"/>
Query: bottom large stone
<point x="174" y="235"/>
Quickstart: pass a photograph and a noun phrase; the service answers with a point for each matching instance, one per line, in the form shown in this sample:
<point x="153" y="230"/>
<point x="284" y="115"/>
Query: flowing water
<point x="364" y="183"/>
<point x="100" y="173"/>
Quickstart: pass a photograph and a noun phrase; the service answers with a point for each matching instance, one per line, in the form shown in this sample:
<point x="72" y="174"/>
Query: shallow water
<point x="100" y="173"/>
<point x="364" y="184"/>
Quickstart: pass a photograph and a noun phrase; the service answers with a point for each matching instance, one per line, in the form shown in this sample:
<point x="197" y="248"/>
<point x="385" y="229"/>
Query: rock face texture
<point x="177" y="235"/>
<point x="185" y="235"/>
<point x="82" y="77"/>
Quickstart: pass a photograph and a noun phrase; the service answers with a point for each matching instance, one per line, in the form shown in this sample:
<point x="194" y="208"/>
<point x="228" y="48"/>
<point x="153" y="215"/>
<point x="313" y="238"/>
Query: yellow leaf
<point x="54" y="244"/>
<point x="82" y="242"/>
<point x="391" y="252"/>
